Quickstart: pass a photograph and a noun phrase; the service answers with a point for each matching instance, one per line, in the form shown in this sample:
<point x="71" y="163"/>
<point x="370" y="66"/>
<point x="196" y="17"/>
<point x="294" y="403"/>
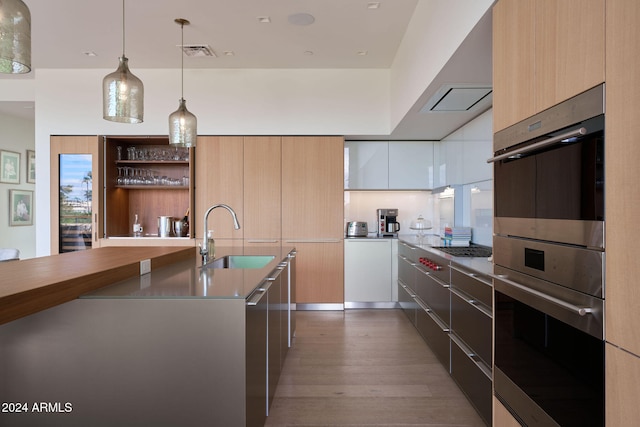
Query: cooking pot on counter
<point x="357" y="229"/>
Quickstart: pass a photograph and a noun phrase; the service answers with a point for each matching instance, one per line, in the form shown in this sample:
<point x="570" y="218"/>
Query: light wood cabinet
<point x="283" y="189"/>
<point x="501" y="416"/>
<point x="545" y="52"/>
<point x="219" y="179"/>
<point x="622" y="152"/>
<point x="312" y="193"/>
<point x="319" y="271"/>
<point x="569" y="50"/>
<point x="312" y="215"/>
<point x="73" y="233"/>
<point x="262" y="189"/>
<point x="622" y="387"/>
<point x="622" y="201"/>
<point x="147" y="177"/>
<point x="513" y="62"/>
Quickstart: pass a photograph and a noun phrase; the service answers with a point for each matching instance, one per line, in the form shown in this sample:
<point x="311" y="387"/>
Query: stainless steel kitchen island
<point x="182" y="345"/>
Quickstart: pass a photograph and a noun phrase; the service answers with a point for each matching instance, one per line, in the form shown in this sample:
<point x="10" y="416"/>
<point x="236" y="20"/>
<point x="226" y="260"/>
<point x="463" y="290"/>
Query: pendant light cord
<point x="123" y="28"/>
<point x="182" y="22"/>
<point x="182" y="61"/>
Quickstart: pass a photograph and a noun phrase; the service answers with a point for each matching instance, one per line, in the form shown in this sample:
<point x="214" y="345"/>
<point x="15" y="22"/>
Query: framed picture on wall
<point x="20" y="207"/>
<point x="9" y="167"/>
<point x="31" y="166"/>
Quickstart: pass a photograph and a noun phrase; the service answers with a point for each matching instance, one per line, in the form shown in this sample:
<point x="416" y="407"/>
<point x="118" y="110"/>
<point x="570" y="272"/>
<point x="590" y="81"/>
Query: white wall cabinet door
<point x="410" y="165"/>
<point x="448" y="163"/>
<point x="368" y="270"/>
<point x="474" y="161"/>
<point x="368" y="165"/>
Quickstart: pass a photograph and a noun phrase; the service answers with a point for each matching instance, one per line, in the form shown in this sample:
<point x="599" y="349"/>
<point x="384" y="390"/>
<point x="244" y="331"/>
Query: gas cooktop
<point x="466" y="251"/>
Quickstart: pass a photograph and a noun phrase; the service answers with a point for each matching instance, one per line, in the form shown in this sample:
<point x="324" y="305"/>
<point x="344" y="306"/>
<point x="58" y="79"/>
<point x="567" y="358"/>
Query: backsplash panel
<point x="362" y="206"/>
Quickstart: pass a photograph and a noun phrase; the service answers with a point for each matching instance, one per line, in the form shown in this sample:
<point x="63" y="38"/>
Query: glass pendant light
<point x="182" y="124"/>
<point x="15" y="37"/>
<point x="122" y="92"/>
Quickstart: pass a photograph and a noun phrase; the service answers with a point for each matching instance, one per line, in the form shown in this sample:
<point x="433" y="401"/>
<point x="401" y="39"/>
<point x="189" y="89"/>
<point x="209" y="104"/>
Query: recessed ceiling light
<point x="264" y="19"/>
<point x="308" y="52"/>
<point x="89" y="53"/>
<point x="362" y="52"/>
<point x="373" y="5"/>
<point x="301" y="19"/>
<point x="229" y="53"/>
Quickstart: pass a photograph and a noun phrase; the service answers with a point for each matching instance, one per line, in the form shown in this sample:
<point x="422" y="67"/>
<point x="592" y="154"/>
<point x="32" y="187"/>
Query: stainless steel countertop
<point x="480" y="265"/>
<point x="185" y="279"/>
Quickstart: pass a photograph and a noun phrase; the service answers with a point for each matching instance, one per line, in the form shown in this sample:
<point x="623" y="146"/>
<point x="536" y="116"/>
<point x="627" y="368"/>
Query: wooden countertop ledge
<point x="35" y="284"/>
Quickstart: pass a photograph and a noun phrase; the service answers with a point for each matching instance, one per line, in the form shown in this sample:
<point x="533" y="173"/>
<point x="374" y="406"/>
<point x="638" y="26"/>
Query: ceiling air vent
<point x="197" y="50"/>
<point x="451" y="98"/>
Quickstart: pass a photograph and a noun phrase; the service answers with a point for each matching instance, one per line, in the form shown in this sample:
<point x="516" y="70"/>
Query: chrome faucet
<point x="204" y="248"/>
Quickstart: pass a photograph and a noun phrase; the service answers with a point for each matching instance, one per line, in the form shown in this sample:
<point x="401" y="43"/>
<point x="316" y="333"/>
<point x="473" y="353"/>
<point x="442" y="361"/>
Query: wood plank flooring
<point x="365" y="368"/>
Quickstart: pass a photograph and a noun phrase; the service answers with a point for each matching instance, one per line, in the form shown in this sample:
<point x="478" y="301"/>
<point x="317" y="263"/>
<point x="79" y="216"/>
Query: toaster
<point x="357" y="229"/>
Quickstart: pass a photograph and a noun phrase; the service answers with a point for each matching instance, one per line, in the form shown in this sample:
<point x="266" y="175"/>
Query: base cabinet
<point x="111" y="361"/>
<point x="319" y="272"/>
<point x="434" y="332"/>
<point x="472" y="336"/>
<point x="407" y="302"/>
<point x="453" y="318"/>
<point x="257" y="332"/>
<point x="367" y="271"/>
<point x="472" y="377"/>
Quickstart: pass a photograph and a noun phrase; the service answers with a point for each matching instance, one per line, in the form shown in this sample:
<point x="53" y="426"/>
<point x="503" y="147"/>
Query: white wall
<point x="436" y="30"/>
<point x="17" y="136"/>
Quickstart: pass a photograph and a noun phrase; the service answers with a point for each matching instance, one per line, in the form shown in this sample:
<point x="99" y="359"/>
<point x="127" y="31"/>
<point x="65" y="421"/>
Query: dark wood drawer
<point x="408" y="251"/>
<point x="434" y="293"/>
<point x="407" y="302"/>
<point x="474" y="378"/>
<point x="472" y="323"/>
<point x="406" y="271"/>
<point x="435" y="334"/>
<point x="476" y="285"/>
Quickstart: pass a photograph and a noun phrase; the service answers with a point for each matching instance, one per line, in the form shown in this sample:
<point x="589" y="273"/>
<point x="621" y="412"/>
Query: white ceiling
<point x="64" y="31"/>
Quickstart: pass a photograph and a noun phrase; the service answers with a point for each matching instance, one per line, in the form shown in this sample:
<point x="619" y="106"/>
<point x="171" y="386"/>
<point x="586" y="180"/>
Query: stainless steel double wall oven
<point x="549" y="264"/>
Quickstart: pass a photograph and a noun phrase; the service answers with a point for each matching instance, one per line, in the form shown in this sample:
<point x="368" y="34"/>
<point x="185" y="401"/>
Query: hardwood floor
<point x="365" y="368"/>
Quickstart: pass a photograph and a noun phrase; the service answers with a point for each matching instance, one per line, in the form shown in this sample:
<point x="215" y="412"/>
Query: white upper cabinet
<point x="474" y="161"/>
<point x="461" y="158"/>
<point x="388" y="165"/>
<point x="368" y="165"/>
<point x="462" y="162"/>
<point x="410" y="165"/>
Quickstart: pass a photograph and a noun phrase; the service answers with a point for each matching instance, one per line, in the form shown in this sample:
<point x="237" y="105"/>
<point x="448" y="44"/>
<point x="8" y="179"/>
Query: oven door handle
<point x="581" y="311"/>
<point x="538" y="145"/>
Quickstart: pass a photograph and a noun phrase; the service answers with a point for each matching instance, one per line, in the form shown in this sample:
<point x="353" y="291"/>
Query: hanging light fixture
<point x="15" y="37"/>
<point x="122" y="92"/>
<point x="182" y="124"/>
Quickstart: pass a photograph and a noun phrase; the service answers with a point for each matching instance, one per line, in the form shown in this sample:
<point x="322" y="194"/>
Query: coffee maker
<point x="388" y="225"/>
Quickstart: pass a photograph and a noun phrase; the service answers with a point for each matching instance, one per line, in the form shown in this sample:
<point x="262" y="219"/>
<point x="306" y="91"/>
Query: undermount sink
<point x="240" y="261"/>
